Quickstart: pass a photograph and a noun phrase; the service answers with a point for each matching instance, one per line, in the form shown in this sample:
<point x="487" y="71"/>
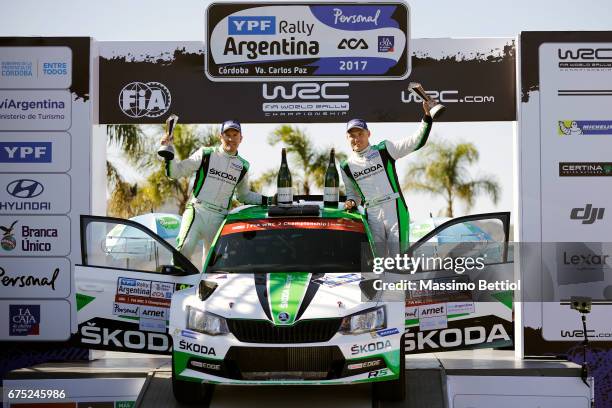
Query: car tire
<point x="189" y="392"/>
<point x="394" y="390"/>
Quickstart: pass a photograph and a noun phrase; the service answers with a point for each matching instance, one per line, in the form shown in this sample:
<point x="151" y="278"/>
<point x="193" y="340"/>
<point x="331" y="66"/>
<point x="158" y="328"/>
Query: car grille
<point x="304" y="331"/>
<point x="269" y="363"/>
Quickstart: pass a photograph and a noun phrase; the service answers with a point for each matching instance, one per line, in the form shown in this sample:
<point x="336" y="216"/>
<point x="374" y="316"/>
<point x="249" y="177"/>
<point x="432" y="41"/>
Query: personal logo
<point x="24" y="320"/>
<point x="284" y="317"/>
<point x="8" y="242"/>
<point x="353" y="44"/>
<point x="140" y="99"/>
<point x="588" y="215"/>
<point x="25" y="188"/>
<point x="386" y="43"/>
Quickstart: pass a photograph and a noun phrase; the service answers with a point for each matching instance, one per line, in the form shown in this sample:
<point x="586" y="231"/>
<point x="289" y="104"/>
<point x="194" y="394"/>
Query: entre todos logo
<point x="139" y="99"/>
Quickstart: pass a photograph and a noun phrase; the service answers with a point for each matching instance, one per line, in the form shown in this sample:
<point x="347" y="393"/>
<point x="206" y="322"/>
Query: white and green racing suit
<point x="371" y="179"/>
<point x="218" y="176"/>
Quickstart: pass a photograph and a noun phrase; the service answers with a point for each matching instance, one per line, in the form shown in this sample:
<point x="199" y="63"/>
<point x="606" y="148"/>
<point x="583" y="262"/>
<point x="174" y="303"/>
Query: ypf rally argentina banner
<point x="280" y="41"/>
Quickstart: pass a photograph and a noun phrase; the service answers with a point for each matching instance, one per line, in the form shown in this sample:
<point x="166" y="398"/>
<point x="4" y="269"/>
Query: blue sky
<point x="151" y="20"/>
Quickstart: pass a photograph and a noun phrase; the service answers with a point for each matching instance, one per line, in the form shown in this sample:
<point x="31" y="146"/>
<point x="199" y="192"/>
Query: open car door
<point x="124" y="286"/>
<point x="444" y="320"/>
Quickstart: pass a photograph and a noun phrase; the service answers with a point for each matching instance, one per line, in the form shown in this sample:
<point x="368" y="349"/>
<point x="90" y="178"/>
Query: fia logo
<point x="588" y="214"/>
<point x="139" y="99"/>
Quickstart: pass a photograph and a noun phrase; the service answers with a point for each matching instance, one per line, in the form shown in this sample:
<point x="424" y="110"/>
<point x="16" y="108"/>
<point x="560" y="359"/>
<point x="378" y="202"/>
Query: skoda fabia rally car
<point x="280" y="301"/>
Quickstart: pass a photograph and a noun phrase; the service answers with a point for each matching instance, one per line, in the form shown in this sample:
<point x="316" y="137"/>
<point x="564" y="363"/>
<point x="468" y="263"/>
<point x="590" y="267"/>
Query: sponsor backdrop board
<point x="564" y="145"/>
<point x="257" y="41"/>
<point x="144" y="82"/>
<point x="45" y="143"/>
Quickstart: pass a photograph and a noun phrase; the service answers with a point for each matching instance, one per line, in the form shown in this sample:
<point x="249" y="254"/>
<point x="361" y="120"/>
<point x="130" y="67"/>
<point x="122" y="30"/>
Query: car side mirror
<point x="172" y="270"/>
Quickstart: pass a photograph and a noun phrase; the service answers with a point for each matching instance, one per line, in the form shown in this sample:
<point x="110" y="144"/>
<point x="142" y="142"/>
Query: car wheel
<point x="189" y="392"/>
<point x="394" y="390"/>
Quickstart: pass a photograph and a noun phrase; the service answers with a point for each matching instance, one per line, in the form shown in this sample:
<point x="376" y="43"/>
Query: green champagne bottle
<point x="284" y="190"/>
<point x="332" y="183"/>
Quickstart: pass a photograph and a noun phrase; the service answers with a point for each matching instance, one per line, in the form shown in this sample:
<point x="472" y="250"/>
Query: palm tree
<point x="129" y="200"/>
<point x="310" y="162"/>
<point x="443" y="171"/>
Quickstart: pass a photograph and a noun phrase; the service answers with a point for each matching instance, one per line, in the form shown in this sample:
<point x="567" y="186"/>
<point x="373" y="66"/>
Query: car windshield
<point x="289" y="245"/>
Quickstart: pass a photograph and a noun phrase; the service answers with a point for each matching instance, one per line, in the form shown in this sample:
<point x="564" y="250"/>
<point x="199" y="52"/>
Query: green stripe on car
<point x="286" y="291"/>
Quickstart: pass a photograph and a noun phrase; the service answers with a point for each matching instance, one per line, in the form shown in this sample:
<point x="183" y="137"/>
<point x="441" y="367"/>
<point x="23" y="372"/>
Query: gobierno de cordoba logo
<point x="140" y="99"/>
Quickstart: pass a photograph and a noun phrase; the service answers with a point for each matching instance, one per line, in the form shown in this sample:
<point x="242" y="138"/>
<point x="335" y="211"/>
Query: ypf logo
<point x="25" y="188"/>
<point x="139" y="99"/>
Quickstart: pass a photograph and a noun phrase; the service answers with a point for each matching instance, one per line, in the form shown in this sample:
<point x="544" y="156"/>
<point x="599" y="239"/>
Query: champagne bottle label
<point x="284" y="195"/>
<point x="330" y="194"/>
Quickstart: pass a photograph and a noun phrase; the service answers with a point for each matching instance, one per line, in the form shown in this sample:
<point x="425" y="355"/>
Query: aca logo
<point x="139" y="99"/>
<point x="8" y="242"/>
<point x="251" y="25"/>
<point x="24" y="320"/>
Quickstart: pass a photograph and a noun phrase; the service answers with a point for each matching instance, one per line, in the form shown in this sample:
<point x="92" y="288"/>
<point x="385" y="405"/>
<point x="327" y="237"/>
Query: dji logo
<point x="588" y="215"/>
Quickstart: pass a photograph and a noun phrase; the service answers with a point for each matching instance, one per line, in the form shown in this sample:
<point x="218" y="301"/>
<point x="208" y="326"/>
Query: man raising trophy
<point x="212" y="194"/>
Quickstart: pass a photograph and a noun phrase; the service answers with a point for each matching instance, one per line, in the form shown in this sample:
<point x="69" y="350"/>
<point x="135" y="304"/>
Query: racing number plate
<point x="267" y="41"/>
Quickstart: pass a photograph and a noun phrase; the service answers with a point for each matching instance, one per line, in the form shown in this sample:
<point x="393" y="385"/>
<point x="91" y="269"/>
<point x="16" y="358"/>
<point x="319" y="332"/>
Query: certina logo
<point x="353" y="44"/>
<point x="585" y="54"/>
<point x="370" y="347"/>
<point x="139" y="99"/>
<point x="306" y="91"/>
<point x="585" y="169"/>
<point x="218" y="173"/>
<point x="25" y="188"/>
<point x="124" y="339"/>
<point x="25" y="152"/>
<point x="447" y="96"/>
<point x="588" y="214"/>
<point x="197" y="348"/>
<point x="455" y="337"/>
<point x="365" y="172"/>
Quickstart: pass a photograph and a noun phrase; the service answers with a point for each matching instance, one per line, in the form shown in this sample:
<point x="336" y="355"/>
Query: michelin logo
<point x="584" y="127"/>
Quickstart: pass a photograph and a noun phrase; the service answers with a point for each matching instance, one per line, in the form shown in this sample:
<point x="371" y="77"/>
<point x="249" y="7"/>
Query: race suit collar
<point x="364" y="151"/>
<point x="224" y="153"/>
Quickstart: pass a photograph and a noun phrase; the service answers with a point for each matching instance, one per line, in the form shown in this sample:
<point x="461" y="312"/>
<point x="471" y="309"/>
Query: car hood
<point x="286" y="297"/>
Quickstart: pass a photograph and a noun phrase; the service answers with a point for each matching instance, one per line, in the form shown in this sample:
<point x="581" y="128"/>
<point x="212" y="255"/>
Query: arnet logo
<point x="139" y="99"/>
<point x="25" y="188"/>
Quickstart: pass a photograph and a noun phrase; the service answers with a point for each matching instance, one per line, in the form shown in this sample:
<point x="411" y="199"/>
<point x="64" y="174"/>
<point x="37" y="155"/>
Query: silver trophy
<point x="167" y="151"/>
<point x="435" y="107"/>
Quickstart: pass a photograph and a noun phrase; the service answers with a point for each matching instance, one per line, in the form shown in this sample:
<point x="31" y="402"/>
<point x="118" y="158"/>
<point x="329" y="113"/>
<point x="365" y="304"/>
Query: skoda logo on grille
<point x="283" y="316"/>
<point x="25" y="188"/>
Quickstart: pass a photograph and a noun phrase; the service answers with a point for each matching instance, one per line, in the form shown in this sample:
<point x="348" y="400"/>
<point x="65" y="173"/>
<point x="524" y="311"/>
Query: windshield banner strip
<point x="339" y="224"/>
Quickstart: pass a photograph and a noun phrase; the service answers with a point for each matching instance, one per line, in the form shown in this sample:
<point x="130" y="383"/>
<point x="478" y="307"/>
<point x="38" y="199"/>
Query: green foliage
<point x="127" y="200"/>
<point x="444" y="170"/>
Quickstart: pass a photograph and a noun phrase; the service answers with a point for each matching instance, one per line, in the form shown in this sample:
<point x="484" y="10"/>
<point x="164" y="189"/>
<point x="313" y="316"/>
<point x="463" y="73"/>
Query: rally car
<point x="281" y="302"/>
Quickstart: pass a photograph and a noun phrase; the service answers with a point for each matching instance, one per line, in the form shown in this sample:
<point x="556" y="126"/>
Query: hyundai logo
<point x="25" y="188"/>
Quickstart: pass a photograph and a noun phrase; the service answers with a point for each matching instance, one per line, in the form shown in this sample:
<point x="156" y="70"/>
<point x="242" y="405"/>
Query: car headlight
<point x="365" y="321"/>
<point x="207" y="323"/>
